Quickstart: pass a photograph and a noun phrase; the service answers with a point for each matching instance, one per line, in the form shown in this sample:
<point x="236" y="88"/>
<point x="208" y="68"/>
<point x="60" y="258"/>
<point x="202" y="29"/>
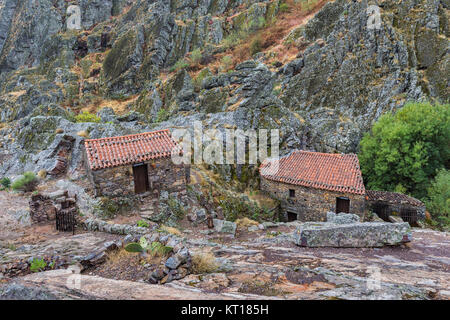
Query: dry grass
<point x="117" y="257"/>
<point x="83" y="134"/>
<point x="123" y="257"/>
<point x="171" y="230"/>
<point x="204" y="262"/>
<point x="120" y="107"/>
<point x="261" y="199"/>
<point x="245" y="223"/>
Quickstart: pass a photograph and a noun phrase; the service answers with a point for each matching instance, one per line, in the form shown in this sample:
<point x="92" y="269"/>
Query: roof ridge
<point x="128" y="135"/>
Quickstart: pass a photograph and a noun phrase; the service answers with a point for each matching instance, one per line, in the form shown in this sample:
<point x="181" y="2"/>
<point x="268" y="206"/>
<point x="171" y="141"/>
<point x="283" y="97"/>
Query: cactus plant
<point x="134" y="247"/>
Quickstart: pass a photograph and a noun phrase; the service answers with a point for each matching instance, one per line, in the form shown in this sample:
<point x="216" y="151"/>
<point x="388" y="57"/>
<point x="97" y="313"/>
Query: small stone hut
<point x="310" y="184"/>
<point x="385" y="204"/>
<point x="135" y="164"/>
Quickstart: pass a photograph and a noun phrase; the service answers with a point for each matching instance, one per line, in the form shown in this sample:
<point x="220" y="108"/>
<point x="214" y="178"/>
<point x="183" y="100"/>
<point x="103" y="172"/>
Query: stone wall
<point x="310" y="204"/>
<point x="163" y="175"/>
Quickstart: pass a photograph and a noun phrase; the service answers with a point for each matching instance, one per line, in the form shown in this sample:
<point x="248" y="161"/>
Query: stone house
<point x="135" y="164"/>
<point x="310" y="184"/>
<point x="385" y="204"/>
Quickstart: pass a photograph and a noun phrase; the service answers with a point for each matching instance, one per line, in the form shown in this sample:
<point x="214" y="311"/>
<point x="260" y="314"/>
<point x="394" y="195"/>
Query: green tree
<point x="438" y="202"/>
<point x="403" y="152"/>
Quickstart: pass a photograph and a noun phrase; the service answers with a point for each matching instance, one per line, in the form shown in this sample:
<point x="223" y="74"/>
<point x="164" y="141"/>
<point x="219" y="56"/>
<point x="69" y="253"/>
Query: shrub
<point x="204" y="262"/>
<point x="27" y="182"/>
<point x="5" y="182"/>
<point x="143" y="224"/>
<point x="162" y="115"/>
<point x="438" y="202"/>
<point x="180" y="64"/>
<point x="404" y="151"/>
<point x="231" y="41"/>
<point x="155" y="248"/>
<point x="38" y="265"/>
<point x="199" y="79"/>
<point x="196" y="55"/>
<point x="284" y="7"/>
<point x="227" y="61"/>
<point x="176" y="208"/>
<point x="86" y="116"/>
<point x="255" y="46"/>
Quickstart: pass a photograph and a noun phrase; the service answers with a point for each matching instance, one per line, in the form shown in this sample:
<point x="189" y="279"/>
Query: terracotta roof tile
<point x="334" y="172"/>
<point x="124" y="150"/>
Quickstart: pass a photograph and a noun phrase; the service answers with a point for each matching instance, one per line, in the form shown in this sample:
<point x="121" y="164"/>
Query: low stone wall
<point x="310" y="204"/>
<point x="45" y="207"/>
<point x="122" y="229"/>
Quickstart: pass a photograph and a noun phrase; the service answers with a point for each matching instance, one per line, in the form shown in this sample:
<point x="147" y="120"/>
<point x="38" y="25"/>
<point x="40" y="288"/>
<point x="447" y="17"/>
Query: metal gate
<point x="409" y="215"/>
<point x="65" y="220"/>
<point x="382" y="210"/>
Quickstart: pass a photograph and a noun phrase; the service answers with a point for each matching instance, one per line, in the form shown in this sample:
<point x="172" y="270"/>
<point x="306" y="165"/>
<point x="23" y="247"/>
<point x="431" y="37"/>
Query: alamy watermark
<point x="374" y="17"/>
<point x="74" y="17"/>
<point x="74" y="279"/>
<point x="374" y="280"/>
<point x="227" y="146"/>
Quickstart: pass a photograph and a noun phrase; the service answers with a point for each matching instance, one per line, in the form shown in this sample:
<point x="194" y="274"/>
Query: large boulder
<point x="224" y="226"/>
<point x="356" y="235"/>
<point x="342" y="218"/>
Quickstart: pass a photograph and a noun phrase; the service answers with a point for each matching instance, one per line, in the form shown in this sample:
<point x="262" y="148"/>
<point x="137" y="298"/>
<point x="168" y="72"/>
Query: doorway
<point x="342" y="205"/>
<point x="140" y="174"/>
<point x="292" y="216"/>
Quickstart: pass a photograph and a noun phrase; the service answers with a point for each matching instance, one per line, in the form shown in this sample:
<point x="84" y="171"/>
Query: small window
<point x="291" y="193"/>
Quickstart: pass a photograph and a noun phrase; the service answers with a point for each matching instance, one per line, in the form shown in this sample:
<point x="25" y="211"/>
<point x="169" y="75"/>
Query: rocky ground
<point x="263" y="263"/>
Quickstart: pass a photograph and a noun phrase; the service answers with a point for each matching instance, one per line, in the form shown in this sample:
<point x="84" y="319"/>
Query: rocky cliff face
<point x="137" y="57"/>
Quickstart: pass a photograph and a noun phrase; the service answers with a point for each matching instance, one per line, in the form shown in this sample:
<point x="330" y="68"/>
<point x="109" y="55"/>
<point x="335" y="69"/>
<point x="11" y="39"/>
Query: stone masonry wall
<point x="310" y="204"/>
<point x="163" y="175"/>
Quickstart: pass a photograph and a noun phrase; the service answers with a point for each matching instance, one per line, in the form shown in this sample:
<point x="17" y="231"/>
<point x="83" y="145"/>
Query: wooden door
<point x="342" y="205"/>
<point x="140" y="174"/>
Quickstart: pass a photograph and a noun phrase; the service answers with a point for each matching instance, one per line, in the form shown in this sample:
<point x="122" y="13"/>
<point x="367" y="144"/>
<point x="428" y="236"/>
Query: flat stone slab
<point x="352" y="235"/>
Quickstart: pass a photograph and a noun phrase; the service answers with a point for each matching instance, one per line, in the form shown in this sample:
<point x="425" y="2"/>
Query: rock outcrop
<point x="344" y="77"/>
<point x="352" y="235"/>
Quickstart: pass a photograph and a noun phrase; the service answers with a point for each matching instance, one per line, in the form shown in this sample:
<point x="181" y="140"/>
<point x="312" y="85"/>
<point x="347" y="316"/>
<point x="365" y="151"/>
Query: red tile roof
<point x="117" y="151"/>
<point x="334" y="172"/>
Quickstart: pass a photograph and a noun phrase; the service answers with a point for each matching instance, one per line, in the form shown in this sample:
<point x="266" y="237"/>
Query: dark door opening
<point x="291" y="216"/>
<point x="140" y="174"/>
<point x="342" y="205"/>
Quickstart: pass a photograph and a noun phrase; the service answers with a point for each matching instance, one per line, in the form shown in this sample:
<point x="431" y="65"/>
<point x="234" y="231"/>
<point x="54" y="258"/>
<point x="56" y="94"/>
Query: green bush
<point x="234" y="208"/>
<point x="5" y="182"/>
<point x="227" y="61"/>
<point x="438" y="202"/>
<point x="404" y="151"/>
<point x="155" y="248"/>
<point x="143" y="223"/>
<point x="162" y="115"/>
<point x="196" y="55"/>
<point x="284" y="7"/>
<point x="27" y="182"/>
<point x="180" y="64"/>
<point x="176" y="208"/>
<point x="255" y="46"/>
<point x="199" y="79"/>
<point x="38" y="265"/>
<point x="87" y="117"/>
